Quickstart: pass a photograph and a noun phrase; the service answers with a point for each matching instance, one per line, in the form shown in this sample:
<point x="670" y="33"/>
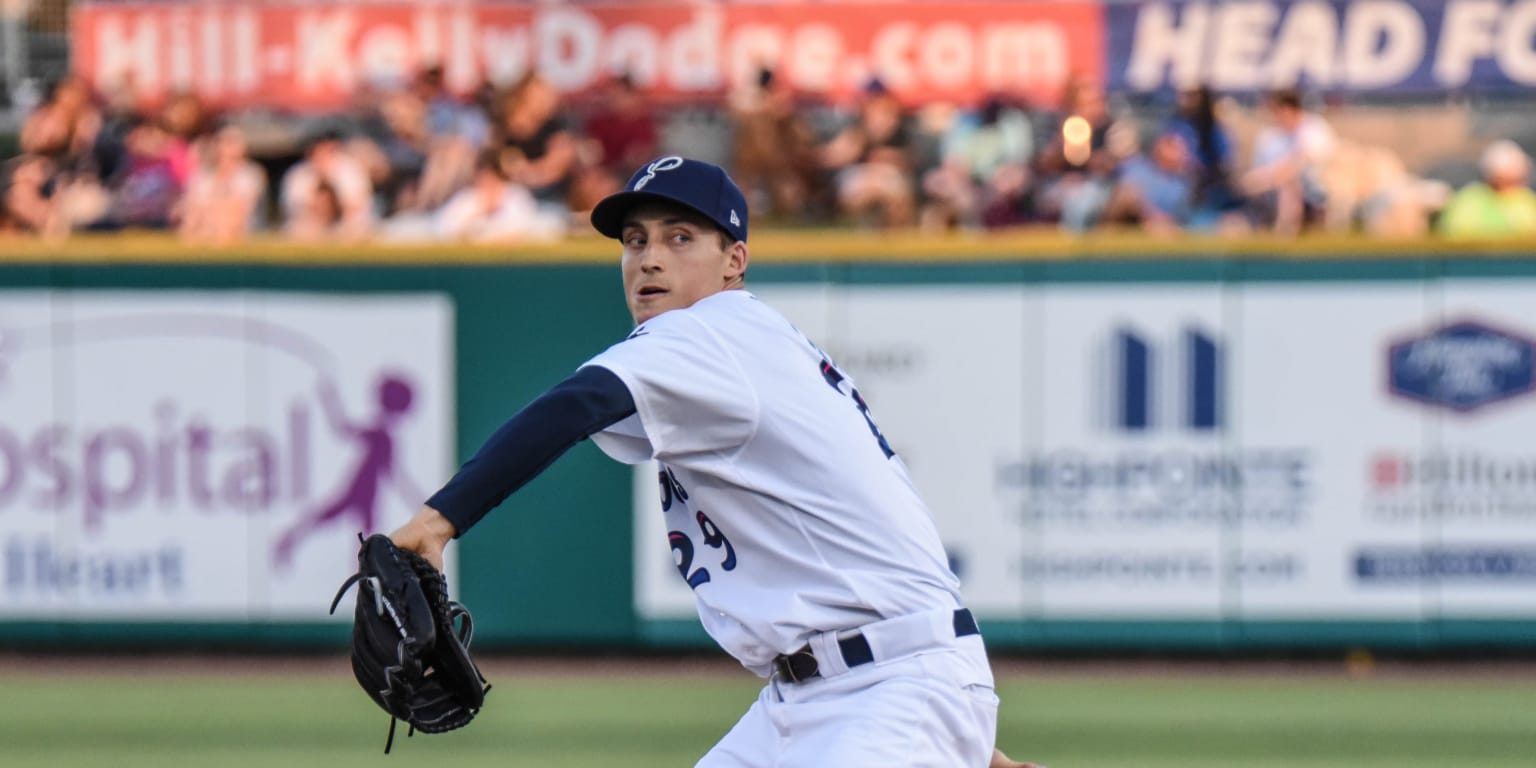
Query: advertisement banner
<point x="308" y="56"/>
<point x="211" y="456"/>
<point x="1204" y="451"/>
<point x="1426" y="46"/>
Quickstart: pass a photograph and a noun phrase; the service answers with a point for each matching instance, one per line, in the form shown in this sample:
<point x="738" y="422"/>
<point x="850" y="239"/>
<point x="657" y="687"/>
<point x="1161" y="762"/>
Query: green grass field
<point x="578" y="721"/>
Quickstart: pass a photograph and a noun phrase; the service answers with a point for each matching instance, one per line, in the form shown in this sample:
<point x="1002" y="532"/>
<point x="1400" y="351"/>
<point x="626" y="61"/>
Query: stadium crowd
<point x="520" y="164"/>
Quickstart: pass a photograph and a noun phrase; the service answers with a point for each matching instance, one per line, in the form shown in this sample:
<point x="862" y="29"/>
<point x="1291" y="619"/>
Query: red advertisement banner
<point x="309" y="56"/>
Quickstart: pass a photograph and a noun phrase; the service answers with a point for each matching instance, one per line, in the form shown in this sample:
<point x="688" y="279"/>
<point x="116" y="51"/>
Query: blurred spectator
<point x="976" y="146"/>
<point x="393" y="146"/>
<point x="186" y="121"/>
<point x="1155" y="190"/>
<point x="538" y="147"/>
<point x="144" y="193"/>
<point x="1077" y="164"/>
<point x="1501" y="204"/>
<point x="1290" y="157"/>
<point x="871" y="160"/>
<point x="493" y="208"/>
<point x="224" y="195"/>
<point x="26" y="206"/>
<point x="322" y="217"/>
<point x="1211" y="148"/>
<point x="622" y="130"/>
<point x="1370" y="189"/>
<point x="449" y="115"/>
<point x="63" y="128"/>
<point x="1011" y="198"/>
<point x="328" y="195"/>
<point x="186" y="117"/>
<point x="126" y="105"/>
<point x="457" y="130"/>
<point x="771" y="152"/>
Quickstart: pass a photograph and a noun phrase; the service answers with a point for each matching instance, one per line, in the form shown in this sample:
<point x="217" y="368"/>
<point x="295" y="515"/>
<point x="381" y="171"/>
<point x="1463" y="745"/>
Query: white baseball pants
<point x="927" y="709"/>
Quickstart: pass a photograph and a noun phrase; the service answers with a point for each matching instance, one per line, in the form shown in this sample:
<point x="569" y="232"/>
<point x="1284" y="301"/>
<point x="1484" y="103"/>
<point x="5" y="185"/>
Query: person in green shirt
<point x="1501" y="204"/>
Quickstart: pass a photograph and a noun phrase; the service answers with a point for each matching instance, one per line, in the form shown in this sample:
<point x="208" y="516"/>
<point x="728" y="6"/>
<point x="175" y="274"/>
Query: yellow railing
<point x="771" y="247"/>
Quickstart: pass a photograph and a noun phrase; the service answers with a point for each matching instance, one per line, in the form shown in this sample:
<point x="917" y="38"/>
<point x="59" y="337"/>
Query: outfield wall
<point x="1190" y="448"/>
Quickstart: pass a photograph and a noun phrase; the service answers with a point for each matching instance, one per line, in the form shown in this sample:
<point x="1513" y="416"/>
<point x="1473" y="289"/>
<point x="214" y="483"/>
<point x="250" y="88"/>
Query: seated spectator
<point x="1011" y="198"/>
<point x="495" y="209"/>
<point x="328" y="195"/>
<point x="1501" y="204"/>
<point x="145" y="193"/>
<point x="457" y="131"/>
<point x="321" y="217"/>
<point x="977" y="144"/>
<point x="771" y="156"/>
<point x="1370" y="189"/>
<point x="64" y="127"/>
<point x="1210" y="146"/>
<point x="26" y="206"/>
<point x="871" y="161"/>
<point x="1155" y="190"/>
<point x="622" y="130"/>
<point x="1290" y="158"/>
<point x="1076" y="165"/>
<point x="393" y="147"/>
<point x="223" y="197"/>
<point x="125" y="106"/>
<point x="187" y="121"/>
<point x="449" y="115"/>
<point x="538" y="146"/>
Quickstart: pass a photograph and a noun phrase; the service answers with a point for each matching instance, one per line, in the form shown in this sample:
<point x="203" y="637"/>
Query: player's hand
<point x="1000" y="760"/>
<point x="426" y="534"/>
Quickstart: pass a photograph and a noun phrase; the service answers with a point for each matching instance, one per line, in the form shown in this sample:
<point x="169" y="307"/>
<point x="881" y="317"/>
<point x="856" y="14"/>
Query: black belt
<point x="801" y="665"/>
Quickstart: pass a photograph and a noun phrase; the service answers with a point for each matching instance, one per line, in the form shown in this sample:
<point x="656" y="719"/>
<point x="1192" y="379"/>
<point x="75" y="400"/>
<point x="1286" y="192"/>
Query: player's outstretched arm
<point x="426" y="534"/>
<point x="1000" y="760"/>
<point x="589" y="401"/>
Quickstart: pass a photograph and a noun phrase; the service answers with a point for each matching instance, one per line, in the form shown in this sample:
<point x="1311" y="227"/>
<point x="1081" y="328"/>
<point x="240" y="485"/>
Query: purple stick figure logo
<point x="358" y="500"/>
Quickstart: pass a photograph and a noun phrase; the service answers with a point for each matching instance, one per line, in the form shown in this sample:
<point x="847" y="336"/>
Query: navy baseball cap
<point x="694" y="184"/>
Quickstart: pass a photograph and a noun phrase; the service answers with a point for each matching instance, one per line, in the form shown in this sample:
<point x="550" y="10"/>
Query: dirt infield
<point x="618" y="666"/>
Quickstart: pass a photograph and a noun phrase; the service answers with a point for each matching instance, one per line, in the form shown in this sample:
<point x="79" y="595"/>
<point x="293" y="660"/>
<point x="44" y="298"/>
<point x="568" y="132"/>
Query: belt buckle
<point x="786" y="667"/>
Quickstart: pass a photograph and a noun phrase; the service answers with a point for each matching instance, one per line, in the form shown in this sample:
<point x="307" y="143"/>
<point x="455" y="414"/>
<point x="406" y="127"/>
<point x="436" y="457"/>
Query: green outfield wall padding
<point x="554" y="566"/>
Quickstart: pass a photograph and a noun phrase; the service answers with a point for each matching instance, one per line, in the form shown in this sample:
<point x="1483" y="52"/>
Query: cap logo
<point x="668" y="163"/>
<point x="735" y="222"/>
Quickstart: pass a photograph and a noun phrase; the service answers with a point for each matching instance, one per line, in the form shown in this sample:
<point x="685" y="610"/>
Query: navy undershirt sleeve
<point x="571" y="411"/>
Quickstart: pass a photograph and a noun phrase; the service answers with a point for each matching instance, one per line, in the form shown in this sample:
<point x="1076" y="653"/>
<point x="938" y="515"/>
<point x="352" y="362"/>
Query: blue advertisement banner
<point x="1363" y="46"/>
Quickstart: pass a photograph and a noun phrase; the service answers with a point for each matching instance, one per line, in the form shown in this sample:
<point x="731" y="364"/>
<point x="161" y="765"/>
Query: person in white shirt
<point x="223" y="198"/>
<point x="811" y="555"/>
<point x="495" y="209"/>
<point x="1289" y="159"/>
<point x="328" y="195"/>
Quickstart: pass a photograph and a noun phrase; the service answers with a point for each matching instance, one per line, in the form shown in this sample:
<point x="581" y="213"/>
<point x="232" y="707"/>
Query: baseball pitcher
<point x="812" y="557"/>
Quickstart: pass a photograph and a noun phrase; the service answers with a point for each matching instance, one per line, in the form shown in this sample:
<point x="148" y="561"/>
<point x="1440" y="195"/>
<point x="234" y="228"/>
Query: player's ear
<point x="736" y="258"/>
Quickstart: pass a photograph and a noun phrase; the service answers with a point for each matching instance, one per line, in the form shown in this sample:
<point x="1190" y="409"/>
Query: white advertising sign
<point x="211" y="455"/>
<point x="1301" y="450"/>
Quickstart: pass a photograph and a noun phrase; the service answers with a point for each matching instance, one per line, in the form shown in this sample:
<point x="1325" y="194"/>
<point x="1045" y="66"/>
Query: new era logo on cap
<point x="702" y="187"/>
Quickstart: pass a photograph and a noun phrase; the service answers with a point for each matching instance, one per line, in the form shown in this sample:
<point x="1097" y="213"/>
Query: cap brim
<point x="608" y="215"/>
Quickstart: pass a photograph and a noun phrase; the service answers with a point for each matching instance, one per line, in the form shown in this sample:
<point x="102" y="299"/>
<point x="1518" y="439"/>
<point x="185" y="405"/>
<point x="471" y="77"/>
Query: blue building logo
<point x="1462" y="366"/>
<point x="1178" y="383"/>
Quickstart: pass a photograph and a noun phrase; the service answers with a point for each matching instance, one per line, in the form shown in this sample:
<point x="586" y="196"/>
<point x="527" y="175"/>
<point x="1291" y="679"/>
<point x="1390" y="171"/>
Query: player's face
<point x="673" y="258"/>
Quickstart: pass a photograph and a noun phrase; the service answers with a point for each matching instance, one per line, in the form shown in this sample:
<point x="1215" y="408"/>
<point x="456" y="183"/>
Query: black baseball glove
<point x="410" y="643"/>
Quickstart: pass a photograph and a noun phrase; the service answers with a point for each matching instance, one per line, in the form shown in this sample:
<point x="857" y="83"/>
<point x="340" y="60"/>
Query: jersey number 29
<point x="682" y="545"/>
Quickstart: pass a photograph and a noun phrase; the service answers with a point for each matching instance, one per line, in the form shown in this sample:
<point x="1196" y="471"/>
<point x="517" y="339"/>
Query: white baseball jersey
<point x="787" y="513"/>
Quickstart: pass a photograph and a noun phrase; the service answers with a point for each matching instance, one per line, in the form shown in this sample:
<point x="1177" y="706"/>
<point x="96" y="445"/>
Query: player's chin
<point x="650" y="305"/>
